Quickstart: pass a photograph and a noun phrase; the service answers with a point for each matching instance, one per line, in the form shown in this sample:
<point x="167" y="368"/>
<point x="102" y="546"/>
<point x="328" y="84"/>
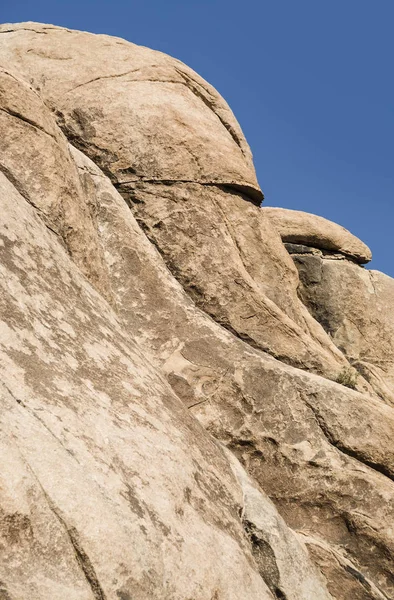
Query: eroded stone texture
<point x="93" y="81"/>
<point x="109" y="489"/>
<point x="313" y="445"/>
<point x="355" y="307"/>
<point x="115" y="115"/>
<point x="296" y="226"/>
<point x="227" y="256"/>
<point x="36" y="158"/>
<point x="131" y="497"/>
<point x="284" y="561"/>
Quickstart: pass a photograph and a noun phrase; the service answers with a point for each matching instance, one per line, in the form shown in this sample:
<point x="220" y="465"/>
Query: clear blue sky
<point x="310" y="81"/>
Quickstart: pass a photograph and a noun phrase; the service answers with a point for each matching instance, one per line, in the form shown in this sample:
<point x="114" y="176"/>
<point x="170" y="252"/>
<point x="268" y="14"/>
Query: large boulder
<point x="109" y="98"/>
<point x="175" y="126"/>
<point x="112" y="489"/>
<point x="354" y="305"/>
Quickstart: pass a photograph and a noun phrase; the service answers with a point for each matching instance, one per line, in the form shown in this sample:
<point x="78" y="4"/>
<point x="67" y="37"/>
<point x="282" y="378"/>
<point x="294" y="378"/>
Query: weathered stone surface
<point x="118" y="126"/>
<point x="356" y="307"/>
<point x="284" y="561"/>
<point x="299" y="227"/>
<point x="313" y="445"/>
<point x="137" y="112"/>
<point x="111" y="487"/>
<point x="227" y="257"/>
<point x="36" y="158"/>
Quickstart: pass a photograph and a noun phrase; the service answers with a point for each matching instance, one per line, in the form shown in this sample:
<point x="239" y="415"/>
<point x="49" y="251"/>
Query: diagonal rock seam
<point x="19" y="116"/>
<point x="36" y="416"/>
<point x="18" y="186"/>
<point x="338" y="445"/>
<point x="382" y="469"/>
<point x="261" y="548"/>
<point x="346" y="565"/>
<point x="265" y="559"/>
<point x="81" y="557"/>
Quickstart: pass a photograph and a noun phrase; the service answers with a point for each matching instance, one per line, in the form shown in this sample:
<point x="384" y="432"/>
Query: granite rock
<point x="183" y="410"/>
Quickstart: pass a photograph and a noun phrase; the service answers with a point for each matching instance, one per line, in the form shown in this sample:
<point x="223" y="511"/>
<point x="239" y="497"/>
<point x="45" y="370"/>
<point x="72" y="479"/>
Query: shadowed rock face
<point x="354" y="305"/>
<point x="149" y="310"/>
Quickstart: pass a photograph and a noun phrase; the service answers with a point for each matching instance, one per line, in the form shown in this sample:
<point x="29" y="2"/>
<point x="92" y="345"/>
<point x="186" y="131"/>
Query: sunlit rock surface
<point x="195" y="406"/>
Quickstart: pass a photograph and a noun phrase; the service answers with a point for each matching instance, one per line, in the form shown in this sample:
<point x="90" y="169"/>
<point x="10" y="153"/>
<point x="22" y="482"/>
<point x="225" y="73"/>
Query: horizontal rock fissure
<point x="23" y="29"/>
<point x="248" y="192"/>
<point x="114" y="76"/>
<point x="291" y="247"/>
<point x="356" y="455"/>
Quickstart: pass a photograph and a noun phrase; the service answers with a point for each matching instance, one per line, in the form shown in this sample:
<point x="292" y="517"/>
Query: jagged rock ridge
<point x="172" y="354"/>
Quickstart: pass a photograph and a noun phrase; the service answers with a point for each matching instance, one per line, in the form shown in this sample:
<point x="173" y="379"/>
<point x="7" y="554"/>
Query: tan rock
<point x="108" y="488"/>
<point x="232" y="263"/>
<point x="184" y="158"/>
<point x="94" y="82"/>
<point x="304" y="228"/>
<point x="282" y="558"/>
<point x="317" y="448"/>
<point x="112" y="489"/>
<point x="356" y="307"/>
<point x="36" y="158"/>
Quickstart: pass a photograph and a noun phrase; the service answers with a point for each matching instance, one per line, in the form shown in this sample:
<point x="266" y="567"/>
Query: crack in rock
<point x="338" y="445"/>
<point x="265" y="559"/>
<point x="345" y="564"/>
<point x="18" y="115"/>
<point x="81" y="556"/>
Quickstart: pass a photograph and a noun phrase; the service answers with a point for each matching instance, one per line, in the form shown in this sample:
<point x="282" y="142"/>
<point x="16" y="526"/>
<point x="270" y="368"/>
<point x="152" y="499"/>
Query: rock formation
<point x="197" y="393"/>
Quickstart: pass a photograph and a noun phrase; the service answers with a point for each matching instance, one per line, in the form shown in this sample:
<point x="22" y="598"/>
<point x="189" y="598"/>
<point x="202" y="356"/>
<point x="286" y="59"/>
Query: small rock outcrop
<point x="196" y="392"/>
<point x="297" y="227"/>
